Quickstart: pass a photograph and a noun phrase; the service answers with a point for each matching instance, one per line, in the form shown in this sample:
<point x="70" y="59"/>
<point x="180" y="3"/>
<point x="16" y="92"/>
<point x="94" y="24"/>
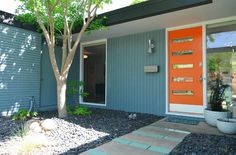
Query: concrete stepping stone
<point x="157" y="130"/>
<point x="142" y="145"/>
<point x="149" y="140"/>
<point x="115" y="148"/>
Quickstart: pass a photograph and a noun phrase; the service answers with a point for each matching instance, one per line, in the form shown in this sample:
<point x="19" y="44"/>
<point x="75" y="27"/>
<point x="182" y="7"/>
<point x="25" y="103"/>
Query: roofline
<point x="122" y="15"/>
<point x="9" y="19"/>
<point x="148" y="9"/>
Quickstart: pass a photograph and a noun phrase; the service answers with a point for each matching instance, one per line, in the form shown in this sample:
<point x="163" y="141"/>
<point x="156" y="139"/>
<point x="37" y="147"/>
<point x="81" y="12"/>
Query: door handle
<point x="201" y="78"/>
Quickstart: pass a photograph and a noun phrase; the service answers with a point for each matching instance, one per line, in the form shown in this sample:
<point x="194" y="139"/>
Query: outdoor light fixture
<point x="150" y="46"/>
<point x="85" y="56"/>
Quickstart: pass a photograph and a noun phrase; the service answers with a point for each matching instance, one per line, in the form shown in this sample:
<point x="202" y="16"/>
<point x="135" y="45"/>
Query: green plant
<point x="217" y="94"/>
<point x="74" y="89"/>
<point x="69" y="110"/>
<point x="23" y="115"/>
<point x="78" y="110"/>
<point x="22" y="131"/>
<point x="137" y="1"/>
<point x="81" y="110"/>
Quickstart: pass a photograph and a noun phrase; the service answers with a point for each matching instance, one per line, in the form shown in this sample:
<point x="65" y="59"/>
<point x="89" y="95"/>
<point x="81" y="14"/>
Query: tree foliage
<point x="76" y="13"/>
<point x="137" y="1"/>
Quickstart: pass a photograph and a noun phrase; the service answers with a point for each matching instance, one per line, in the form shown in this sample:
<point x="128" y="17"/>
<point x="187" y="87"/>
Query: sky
<point x="10" y="5"/>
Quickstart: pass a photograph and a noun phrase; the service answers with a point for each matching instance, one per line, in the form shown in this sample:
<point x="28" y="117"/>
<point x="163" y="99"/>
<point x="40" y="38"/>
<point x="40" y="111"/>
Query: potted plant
<point x="215" y="110"/>
<point x="227" y="125"/>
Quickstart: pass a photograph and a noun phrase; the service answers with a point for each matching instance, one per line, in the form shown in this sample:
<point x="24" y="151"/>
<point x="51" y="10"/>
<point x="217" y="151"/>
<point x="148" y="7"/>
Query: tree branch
<point x="71" y="54"/>
<point x="51" y="46"/>
<point x="84" y="2"/>
<point x="66" y="34"/>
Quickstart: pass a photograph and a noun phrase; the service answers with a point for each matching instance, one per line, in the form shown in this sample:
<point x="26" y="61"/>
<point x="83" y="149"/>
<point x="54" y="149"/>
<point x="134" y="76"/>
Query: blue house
<point x="157" y="57"/>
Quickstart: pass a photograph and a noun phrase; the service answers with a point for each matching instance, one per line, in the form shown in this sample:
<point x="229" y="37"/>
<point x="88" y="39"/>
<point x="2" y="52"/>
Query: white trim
<point x="86" y="44"/>
<point x="167" y="73"/>
<point x="185" y="114"/>
<point x="204" y="25"/>
<point x="204" y="65"/>
<point x="186" y="108"/>
<point x="220" y="20"/>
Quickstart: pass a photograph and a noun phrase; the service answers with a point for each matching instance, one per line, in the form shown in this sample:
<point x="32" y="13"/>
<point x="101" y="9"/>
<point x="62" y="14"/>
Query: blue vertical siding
<point x="48" y="83"/>
<point x="20" y="54"/>
<point x="129" y="87"/>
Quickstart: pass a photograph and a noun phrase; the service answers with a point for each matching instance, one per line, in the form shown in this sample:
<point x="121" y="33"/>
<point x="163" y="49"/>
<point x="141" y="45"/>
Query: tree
<point x="58" y="19"/>
<point x="137" y="1"/>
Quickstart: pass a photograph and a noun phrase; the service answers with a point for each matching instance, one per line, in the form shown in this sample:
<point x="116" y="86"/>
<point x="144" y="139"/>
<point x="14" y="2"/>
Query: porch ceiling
<point x="217" y="9"/>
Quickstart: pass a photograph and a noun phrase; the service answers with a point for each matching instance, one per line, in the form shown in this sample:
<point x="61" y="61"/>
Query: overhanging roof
<point x="148" y="9"/>
<point x="126" y="14"/>
<point x="216" y="10"/>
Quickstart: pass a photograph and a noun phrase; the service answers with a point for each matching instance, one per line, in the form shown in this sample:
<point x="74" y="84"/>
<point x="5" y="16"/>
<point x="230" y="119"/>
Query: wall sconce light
<point x="150" y="46"/>
<point x="85" y="56"/>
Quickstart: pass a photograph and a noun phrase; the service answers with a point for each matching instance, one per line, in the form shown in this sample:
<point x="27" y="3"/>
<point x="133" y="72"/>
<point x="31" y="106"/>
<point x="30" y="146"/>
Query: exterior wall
<point x="48" y="83"/>
<point x="129" y="88"/>
<point x="20" y="54"/>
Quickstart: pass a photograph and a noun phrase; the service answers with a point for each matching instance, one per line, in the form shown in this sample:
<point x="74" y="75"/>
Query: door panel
<point x="185" y="67"/>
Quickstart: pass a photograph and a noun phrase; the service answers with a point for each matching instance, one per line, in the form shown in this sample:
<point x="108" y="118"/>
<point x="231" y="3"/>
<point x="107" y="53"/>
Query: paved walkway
<point x="156" y="139"/>
<point x="149" y="140"/>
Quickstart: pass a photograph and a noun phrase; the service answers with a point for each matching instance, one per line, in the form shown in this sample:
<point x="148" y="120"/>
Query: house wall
<point x="20" y="55"/>
<point x="129" y="88"/>
<point x="48" y="82"/>
<point x="26" y="71"/>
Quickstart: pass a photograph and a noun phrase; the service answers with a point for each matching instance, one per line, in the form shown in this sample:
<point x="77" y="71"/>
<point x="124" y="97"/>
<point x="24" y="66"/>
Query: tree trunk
<point x="61" y="98"/>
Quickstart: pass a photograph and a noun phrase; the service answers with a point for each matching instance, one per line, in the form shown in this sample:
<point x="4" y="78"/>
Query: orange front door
<point x="185" y="70"/>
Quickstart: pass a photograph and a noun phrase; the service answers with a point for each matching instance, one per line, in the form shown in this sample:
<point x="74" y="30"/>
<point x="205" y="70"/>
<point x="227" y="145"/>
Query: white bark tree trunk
<point x="61" y="98"/>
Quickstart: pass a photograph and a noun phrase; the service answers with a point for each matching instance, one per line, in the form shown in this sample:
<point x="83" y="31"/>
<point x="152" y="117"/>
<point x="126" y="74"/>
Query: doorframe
<point x="204" y="50"/>
<point x="87" y="44"/>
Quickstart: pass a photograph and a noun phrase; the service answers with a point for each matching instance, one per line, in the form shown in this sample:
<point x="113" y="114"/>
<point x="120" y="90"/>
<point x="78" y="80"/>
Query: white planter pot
<point x="212" y="116"/>
<point x="227" y="126"/>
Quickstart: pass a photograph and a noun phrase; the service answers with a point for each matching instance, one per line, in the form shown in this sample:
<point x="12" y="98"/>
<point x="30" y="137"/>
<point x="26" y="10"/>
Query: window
<point x="221" y="57"/>
<point x="94" y="72"/>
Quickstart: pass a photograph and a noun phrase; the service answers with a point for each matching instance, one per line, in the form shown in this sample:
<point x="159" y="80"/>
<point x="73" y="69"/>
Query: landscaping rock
<point x="204" y="144"/>
<point x="35" y="127"/>
<point x="48" y="124"/>
<point x="76" y="134"/>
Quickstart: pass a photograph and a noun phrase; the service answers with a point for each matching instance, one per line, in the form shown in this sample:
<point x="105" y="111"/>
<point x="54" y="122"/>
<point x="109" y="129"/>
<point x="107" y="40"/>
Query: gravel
<point x="76" y="134"/>
<point x="204" y="144"/>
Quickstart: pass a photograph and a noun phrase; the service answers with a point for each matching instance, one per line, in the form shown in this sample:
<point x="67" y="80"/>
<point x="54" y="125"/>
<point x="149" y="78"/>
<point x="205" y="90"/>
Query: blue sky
<point x="223" y="39"/>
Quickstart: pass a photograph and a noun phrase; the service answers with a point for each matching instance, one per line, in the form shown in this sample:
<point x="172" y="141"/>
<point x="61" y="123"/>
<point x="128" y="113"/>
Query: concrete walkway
<point x="156" y="139"/>
<point x="153" y="139"/>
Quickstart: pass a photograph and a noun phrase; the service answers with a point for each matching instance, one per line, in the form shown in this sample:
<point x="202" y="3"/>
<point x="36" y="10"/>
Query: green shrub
<point x="68" y="109"/>
<point x="23" y="115"/>
<point x="74" y="89"/>
<point x="79" y="110"/>
<point x="22" y="131"/>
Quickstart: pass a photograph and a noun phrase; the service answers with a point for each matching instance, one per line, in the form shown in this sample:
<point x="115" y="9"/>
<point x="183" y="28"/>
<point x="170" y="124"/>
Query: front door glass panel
<point x="221" y="58"/>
